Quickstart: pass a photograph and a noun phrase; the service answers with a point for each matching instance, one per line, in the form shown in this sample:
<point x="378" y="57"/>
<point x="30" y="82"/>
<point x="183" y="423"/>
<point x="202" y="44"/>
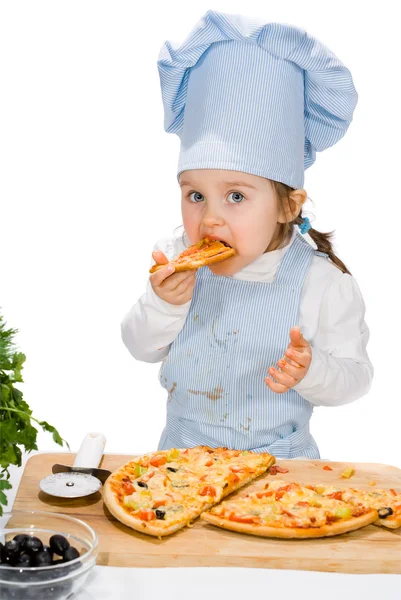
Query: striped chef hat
<point x="251" y="96"/>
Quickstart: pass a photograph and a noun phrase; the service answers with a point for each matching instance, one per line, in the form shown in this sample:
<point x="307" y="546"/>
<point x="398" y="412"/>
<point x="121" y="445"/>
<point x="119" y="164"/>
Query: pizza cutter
<point x="84" y="477"/>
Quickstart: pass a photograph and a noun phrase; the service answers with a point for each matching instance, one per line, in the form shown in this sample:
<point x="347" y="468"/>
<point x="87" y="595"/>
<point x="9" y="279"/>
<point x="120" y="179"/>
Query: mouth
<point x="214" y="238"/>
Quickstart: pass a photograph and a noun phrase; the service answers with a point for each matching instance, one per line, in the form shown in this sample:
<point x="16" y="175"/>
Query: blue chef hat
<point x="251" y="96"/>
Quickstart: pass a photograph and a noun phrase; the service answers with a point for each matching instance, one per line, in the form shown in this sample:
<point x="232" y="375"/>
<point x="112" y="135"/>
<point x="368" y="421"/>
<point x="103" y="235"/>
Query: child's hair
<point x="322" y="240"/>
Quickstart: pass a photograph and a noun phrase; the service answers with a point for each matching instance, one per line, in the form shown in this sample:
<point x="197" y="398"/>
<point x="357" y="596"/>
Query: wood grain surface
<point x="368" y="550"/>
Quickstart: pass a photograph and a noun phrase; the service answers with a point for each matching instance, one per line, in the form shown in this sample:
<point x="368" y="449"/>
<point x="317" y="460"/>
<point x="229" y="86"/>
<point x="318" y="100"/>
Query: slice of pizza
<point x="386" y="502"/>
<point x="162" y="492"/>
<point x="289" y="510"/>
<point x="205" y="252"/>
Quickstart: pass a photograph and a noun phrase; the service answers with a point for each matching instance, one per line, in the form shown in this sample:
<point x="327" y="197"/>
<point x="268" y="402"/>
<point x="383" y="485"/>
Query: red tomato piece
<point x="157" y="461"/>
<point x="236" y="469"/>
<point x="208" y="490"/>
<point x="336" y="495"/>
<point x="327" y="468"/>
<point x="264" y="494"/>
<point x="243" y="518"/>
<point x="146" y="515"/>
<point x="128" y="488"/>
<point x="281" y="491"/>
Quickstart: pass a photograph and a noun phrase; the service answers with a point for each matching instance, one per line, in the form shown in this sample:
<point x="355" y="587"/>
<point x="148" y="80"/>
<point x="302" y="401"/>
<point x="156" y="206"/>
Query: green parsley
<point x="17" y="431"/>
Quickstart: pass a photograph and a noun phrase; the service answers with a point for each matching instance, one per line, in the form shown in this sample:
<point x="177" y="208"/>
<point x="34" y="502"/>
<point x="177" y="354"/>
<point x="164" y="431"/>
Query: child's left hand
<point x="294" y="369"/>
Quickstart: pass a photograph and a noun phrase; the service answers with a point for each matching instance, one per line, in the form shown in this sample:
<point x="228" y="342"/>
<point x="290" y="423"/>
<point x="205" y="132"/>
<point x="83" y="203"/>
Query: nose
<point x="212" y="218"/>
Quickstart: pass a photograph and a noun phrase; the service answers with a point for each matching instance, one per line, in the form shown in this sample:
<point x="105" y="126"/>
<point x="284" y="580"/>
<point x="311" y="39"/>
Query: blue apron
<point x="215" y="369"/>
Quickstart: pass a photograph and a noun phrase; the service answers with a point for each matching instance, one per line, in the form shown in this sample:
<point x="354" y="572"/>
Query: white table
<point x="203" y="583"/>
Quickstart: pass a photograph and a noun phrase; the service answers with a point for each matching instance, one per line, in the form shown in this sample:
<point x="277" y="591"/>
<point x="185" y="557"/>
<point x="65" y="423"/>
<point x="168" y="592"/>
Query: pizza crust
<point x="335" y="528"/>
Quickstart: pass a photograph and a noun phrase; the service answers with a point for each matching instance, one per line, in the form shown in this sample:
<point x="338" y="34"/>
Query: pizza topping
<point x="172" y="469"/>
<point x="336" y="495"/>
<point x="244" y="518"/>
<point x="208" y="490"/>
<point x="348" y="472"/>
<point x="145" y="515"/>
<point x="128" y="488"/>
<point x="385" y="512"/>
<point x="276" y="469"/>
<point x="157" y="461"/>
<point x="139" y="470"/>
<point x="393" y="492"/>
<point x="142" y="484"/>
<point x="160" y="514"/>
<point x="173" y="454"/>
<point x="327" y="468"/>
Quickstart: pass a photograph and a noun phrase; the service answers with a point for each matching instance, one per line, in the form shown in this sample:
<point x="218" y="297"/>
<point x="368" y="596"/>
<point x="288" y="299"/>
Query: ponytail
<point x="322" y="240"/>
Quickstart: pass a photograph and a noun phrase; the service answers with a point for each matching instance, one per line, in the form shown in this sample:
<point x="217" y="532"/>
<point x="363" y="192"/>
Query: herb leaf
<point x="17" y="431"/>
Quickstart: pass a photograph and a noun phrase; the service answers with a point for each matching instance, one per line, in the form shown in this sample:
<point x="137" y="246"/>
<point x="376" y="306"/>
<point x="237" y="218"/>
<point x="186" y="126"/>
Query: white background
<point x="88" y="185"/>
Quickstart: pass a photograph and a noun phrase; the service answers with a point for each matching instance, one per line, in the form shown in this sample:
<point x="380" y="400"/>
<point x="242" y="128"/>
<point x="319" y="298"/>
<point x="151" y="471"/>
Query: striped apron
<point x="215" y="369"/>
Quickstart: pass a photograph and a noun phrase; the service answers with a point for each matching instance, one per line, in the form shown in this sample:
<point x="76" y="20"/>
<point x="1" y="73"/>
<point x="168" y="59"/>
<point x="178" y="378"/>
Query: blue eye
<point x="237" y="197"/>
<point x="197" y="197"/>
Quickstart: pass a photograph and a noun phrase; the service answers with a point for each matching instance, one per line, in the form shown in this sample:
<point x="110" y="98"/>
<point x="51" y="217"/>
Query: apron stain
<point x="215" y="394"/>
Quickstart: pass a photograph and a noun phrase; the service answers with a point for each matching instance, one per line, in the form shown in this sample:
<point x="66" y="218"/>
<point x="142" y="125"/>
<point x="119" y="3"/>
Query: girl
<point x="252" y="103"/>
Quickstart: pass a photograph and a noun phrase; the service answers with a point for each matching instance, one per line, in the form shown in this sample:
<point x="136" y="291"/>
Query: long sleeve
<point x="341" y="371"/>
<point x="152" y="324"/>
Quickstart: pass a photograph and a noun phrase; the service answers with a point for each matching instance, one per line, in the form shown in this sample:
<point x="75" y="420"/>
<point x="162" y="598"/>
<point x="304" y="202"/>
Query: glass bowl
<point x="58" y="581"/>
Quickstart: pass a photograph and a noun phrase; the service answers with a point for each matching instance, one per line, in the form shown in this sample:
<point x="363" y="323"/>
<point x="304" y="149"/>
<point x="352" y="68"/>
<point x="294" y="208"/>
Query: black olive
<point x="59" y="544"/>
<point x="172" y="469"/>
<point x="32" y="544"/>
<point x="24" y="560"/>
<point x="385" y="512"/>
<point x="12" y="548"/>
<point x="160" y="514"/>
<point x="21" y="538"/>
<point x="42" y="559"/>
<point x="70" y="554"/>
<point x="48" y="550"/>
<point x="142" y="484"/>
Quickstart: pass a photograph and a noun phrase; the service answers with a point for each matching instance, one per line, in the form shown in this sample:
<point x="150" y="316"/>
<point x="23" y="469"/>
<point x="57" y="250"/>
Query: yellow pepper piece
<point x="348" y="472"/>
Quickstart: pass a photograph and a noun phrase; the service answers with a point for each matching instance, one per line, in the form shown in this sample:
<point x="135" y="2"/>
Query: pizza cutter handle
<point x="91" y="451"/>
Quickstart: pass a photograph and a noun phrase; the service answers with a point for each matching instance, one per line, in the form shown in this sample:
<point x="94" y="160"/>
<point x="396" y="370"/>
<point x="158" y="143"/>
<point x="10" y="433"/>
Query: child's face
<point x="231" y="206"/>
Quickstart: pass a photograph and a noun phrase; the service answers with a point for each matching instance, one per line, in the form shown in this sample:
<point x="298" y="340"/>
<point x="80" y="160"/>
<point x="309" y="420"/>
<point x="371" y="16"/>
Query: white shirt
<point x="331" y="319"/>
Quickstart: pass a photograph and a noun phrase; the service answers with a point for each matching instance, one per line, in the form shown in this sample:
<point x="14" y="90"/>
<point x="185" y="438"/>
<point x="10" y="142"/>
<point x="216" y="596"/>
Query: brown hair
<point x="322" y="240"/>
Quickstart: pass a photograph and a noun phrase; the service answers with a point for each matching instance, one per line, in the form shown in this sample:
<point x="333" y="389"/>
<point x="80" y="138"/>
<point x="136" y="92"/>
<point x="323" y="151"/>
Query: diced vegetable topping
<point x="158" y="461"/>
<point x="348" y="472"/>
<point x="139" y="471"/>
<point x="208" y="490"/>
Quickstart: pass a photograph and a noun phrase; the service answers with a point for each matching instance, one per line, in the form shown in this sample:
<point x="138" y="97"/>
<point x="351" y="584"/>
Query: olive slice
<point x="387" y="511"/>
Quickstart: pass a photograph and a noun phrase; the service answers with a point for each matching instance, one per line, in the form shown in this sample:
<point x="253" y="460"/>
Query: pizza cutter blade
<point x="84" y="477"/>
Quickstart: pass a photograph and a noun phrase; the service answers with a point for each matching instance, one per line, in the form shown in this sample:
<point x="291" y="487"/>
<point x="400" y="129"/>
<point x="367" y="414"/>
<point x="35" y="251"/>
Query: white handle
<point x="91" y="451"/>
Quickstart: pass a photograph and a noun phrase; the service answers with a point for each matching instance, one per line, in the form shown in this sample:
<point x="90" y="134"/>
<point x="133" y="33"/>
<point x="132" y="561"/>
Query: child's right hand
<point x="174" y="288"/>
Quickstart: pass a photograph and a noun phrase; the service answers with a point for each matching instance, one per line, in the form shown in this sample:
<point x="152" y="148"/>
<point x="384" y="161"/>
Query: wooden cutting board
<point x="368" y="550"/>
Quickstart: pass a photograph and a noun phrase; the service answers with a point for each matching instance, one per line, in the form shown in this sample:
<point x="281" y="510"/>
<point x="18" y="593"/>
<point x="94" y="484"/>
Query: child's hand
<point x="294" y="369"/>
<point x="174" y="288"/>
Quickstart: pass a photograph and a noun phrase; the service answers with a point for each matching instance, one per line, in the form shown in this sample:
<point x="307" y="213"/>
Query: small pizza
<point x="289" y="510"/>
<point x="161" y="492"/>
<point x="386" y="502"/>
<point x="205" y="252"/>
